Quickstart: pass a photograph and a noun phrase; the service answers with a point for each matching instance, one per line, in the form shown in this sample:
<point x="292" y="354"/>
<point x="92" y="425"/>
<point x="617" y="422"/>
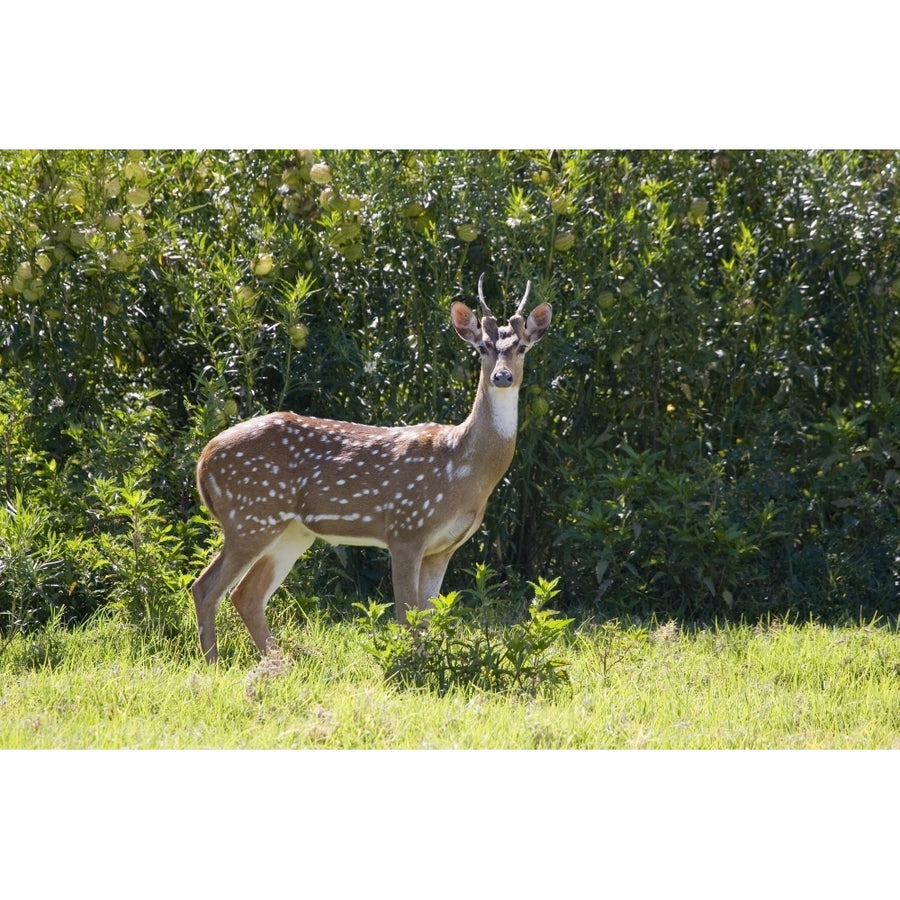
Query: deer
<point x="277" y="482"/>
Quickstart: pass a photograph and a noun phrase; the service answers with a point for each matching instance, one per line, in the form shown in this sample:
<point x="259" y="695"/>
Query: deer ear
<point x="465" y="322"/>
<point x="538" y="323"/>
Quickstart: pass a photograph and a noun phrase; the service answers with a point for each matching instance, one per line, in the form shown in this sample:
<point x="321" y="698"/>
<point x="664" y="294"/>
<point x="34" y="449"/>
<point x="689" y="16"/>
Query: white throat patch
<point x="505" y="410"/>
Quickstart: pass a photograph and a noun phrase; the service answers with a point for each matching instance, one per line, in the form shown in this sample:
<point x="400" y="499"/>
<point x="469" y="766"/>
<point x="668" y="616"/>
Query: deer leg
<point x="431" y="576"/>
<point x="416" y="579"/>
<point x="405" y="568"/>
<point x="249" y="599"/>
<point x="209" y="589"/>
<point x="266" y="574"/>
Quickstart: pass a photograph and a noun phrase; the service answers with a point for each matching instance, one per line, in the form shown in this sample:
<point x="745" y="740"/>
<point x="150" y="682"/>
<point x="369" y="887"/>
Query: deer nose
<point x="501" y="378"/>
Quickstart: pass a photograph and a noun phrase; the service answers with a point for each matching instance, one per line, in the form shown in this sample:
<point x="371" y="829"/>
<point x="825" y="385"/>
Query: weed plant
<point x="447" y="646"/>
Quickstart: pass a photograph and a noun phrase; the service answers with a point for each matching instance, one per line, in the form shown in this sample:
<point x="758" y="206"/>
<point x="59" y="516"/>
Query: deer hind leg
<point x="266" y="574"/>
<point x="209" y="589"/>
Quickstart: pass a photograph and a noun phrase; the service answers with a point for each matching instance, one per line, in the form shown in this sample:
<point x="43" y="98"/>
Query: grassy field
<point x="107" y="685"/>
<point x="537" y="824"/>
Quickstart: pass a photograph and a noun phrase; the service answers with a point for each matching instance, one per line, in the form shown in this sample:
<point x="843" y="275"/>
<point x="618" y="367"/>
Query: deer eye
<point x="482" y="349"/>
<point x="521" y="349"/>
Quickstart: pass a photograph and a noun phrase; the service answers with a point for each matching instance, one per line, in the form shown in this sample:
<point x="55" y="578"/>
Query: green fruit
<point x="263" y="264"/>
<point x="291" y="178"/>
<point x="564" y="241"/>
<point x="467" y="232"/>
<point x="244" y="294"/>
<point x="411" y="210"/>
<point x="74" y="195"/>
<point x="559" y="204"/>
<point x="292" y="204"/>
<point x="34" y="291"/>
<point x="78" y="239"/>
<point x="329" y="199"/>
<point x="230" y="408"/>
<point x="119" y="261"/>
<point x="320" y="173"/>
<point x="298" y="334"/>
<point x="22" y="277"/>
<point x="699" y="206"/>
<point x="62" y="254"/>
<point x="135" y="172"/>
<point x="137" y="196"/>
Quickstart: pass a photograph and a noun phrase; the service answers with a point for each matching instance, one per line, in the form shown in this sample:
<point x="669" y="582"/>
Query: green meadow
<point x="775" y="686"/>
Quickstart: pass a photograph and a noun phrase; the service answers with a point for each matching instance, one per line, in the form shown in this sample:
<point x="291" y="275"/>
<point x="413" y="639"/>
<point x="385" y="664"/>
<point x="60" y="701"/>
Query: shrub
<point x="448" y="646"/>
<point x="710" y="427"/>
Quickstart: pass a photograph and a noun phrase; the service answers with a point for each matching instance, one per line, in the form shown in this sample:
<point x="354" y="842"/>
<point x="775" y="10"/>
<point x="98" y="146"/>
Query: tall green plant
<point x="445" y="646"/>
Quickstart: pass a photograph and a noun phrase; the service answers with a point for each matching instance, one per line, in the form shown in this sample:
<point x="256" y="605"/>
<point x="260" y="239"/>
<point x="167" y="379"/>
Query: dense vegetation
<point x="710" y="429"/>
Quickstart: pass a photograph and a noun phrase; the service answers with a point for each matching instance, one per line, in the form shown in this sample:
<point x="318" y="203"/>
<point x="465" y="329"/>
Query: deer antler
<point x="517" y="322"/>
<point x="484" y="305"/>
<point x="488" y="322"/>
<point x="521" y="305"/>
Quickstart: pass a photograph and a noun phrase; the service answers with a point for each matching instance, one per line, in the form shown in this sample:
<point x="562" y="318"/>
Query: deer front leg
<point x="416" y="580"/>
<point x="431" y="576"/>
<point x="405" y="568"/>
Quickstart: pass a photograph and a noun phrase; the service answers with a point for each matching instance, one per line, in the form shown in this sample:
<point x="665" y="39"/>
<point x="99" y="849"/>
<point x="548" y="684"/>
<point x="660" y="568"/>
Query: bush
<point x="709" y="428"/>
<point x="448" y="646"/>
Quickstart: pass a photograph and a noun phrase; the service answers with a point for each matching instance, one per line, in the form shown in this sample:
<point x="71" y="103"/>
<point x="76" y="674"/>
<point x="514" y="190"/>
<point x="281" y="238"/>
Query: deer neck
<point x="489" y="433"/>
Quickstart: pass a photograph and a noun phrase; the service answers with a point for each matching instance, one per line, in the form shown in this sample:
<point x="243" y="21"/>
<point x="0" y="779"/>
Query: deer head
<point x="502" y="348"/>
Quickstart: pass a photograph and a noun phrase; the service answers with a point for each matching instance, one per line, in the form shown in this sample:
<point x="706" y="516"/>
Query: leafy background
<point x="710" y="429"/>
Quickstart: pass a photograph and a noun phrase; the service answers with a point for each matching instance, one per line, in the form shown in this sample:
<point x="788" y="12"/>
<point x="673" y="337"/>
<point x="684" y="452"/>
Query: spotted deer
<point x="277" y="482"/>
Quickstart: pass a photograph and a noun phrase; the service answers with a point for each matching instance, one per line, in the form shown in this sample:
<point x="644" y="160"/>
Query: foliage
<point x="444" y="646"/>
<point x="31" y="579"/>
<point x="709" y="429"/>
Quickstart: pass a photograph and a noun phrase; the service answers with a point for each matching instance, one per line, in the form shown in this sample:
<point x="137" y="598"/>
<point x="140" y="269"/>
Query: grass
<point x="109" y="684"/>
<point x="226" y="819"/>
